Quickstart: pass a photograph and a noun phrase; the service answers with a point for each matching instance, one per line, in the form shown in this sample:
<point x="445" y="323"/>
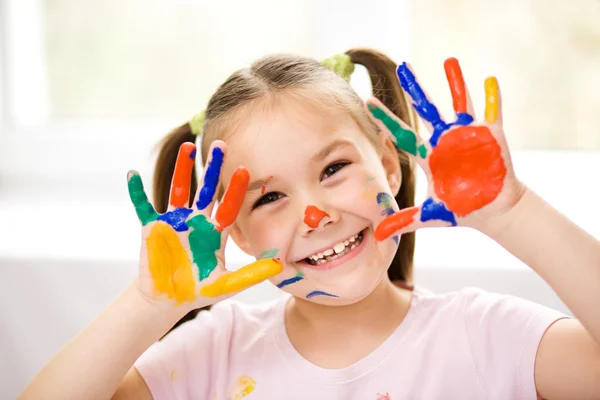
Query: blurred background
<point x="87" y="89"/>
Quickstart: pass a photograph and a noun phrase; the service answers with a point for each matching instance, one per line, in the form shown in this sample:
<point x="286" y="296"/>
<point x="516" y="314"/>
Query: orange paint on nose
<point x="313" y="216"/>
<point x="234" y="197"/>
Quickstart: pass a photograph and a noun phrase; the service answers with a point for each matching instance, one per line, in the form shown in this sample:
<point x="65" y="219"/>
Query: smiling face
<point x="315" y="197"/>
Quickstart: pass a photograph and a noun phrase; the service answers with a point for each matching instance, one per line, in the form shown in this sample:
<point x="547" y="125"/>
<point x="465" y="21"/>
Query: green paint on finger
<point x="144" y="209"/>
<point x="405" y="139"/>
<point x="271" y="253"/>
<point x="204" y="240"/>
<point x="423" y="151"/>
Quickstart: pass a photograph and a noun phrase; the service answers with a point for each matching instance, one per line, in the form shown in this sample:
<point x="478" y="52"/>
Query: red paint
<point x="264" y="186"/>
<point x="467" y="168"/>
<point x="234" y="197"/>
<point x="395" y="222"/>
<point x="457" y="85"/>
<point x="180" y="184"/>
<point x="313" y="216"/>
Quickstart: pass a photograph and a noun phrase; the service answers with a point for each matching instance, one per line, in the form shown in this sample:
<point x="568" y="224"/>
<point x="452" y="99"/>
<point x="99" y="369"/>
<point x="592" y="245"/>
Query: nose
<point x="315" y="219"/>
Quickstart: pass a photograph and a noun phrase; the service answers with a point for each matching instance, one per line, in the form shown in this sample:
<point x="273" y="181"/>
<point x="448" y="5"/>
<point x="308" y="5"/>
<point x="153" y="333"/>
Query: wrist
<point x="495" y="226"/>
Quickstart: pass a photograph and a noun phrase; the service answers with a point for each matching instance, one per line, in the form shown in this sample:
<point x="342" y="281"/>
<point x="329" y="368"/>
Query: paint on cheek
<point x="385" y="199"/>
<point x="264" y="186"/>
<point x="271" y="253"/>
<point x="234" y="197"/>
<point x="467" y="186"/>
<point x="405" y="139"/>
<point x="169" y="264"/>
<point x="204" y="241"/>
<point x="313" y="216"/>
<point x="244" y="277"/>
<point x="369" y="193"/>
<point x="176" y="218"/>
<point x="299" y="276"/>
<point x="211" y="179"/>
<point x="319" y="293"/>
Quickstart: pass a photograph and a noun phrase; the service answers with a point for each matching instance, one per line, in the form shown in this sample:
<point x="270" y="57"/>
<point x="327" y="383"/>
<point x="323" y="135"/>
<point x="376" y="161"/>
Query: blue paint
<point x="211" y="179"/>
<point x="396" y="239"/>
<point x="193" y="154"/>
<point x="176" y="218"/>
<point x="427" y="110"/>
<point x="436" y="211"/>
<point x="385" y="199"/>
<point x="319" y="293"/>
<point x="286" y="282"/>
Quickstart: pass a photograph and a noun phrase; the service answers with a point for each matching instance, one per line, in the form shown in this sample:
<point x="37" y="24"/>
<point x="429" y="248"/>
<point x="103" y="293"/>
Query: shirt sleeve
<point x="185" y="363"/>
<point x="504" y="335"/>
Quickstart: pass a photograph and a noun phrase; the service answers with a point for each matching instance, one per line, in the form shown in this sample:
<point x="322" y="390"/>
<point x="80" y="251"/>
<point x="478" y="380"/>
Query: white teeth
<point x="338" y="248"/>
<point x="328" y="252"/>
<point x="346" y="242"/>
<point x="352" y="239"/>
<point x="320" y="255"/>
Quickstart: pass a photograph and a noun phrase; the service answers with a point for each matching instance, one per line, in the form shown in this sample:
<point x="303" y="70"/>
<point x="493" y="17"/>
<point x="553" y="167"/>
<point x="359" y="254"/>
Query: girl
<point x="320" y="190"/>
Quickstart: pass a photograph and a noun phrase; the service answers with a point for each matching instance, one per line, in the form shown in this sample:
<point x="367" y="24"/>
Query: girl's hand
<point x="182" y="259"/>
<point x="467" y="163"/>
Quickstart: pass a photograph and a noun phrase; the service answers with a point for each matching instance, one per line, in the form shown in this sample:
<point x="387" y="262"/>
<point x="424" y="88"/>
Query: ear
<point x="391" y="163"/>
<point x="240" y="240"/>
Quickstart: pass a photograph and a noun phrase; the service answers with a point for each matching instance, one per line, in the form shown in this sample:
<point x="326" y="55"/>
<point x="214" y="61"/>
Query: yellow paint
<point x="169" y="264"/>
<point x="243" y="387"/>
<point x="172" y="375"/>
<point x="249" y="275"/>
<point x="491" y="99"/>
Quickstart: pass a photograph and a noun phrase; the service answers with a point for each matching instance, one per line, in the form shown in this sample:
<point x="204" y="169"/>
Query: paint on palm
<point x="168" y="260"/>
<point x="465" y="161"/>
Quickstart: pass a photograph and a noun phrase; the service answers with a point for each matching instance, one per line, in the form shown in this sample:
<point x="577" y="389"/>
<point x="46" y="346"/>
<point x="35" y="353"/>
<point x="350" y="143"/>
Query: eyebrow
<point x="322" y="154"/>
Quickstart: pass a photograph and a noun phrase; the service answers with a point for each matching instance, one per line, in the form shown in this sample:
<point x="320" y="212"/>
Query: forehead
<point x="286" y="132"/>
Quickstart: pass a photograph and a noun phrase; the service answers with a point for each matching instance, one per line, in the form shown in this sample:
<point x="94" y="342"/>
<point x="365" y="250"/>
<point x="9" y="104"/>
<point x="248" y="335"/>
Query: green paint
<point x="300" y="274"/>
<point x="271" y="253"/>
<point x="204" y="240"/>
<point x="371" y="178"/>
<point x="405" y="139"/>
<point x="144" y="209"/>
<point x="423" y="151"/>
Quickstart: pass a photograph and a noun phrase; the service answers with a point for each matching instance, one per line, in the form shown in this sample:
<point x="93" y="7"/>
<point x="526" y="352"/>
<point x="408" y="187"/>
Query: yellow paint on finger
<point x="242" y="387"/>
<point x="491" y="99"/>
<point x="169" y="264"/>
<point x="242" y="278"/>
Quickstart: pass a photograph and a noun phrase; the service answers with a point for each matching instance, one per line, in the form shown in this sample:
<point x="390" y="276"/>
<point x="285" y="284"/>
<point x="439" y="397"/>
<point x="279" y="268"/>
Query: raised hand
<point x="182" y="256"/>
<point x="468" y="165"/>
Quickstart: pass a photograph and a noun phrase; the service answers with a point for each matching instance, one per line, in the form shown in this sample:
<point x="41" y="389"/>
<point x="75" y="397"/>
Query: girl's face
<point x="318" y="188"/>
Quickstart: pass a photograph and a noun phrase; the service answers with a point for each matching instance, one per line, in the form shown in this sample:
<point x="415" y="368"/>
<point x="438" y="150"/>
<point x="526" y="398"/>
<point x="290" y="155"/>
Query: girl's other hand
<point x="471" y="181"/>
<point x="182" y="258"/>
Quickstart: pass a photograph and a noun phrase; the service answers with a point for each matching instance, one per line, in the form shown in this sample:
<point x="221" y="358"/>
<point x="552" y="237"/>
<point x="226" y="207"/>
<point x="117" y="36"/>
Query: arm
<point x="93" y="363"/>
<point x="568" y="258"/>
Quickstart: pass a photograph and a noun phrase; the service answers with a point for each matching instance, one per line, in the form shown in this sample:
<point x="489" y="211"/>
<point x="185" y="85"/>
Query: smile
<point x="338" y="250"/>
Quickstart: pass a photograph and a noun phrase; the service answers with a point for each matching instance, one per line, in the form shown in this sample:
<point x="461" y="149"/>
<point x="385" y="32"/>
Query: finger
<point x="403" y="136"/>
<point x="181" y="182"/>
<point x="144" y="209"/>
<point x="212" y="173"/>
<point x="232" y="200"/>
<point x="429" y="214"/>
<point x="460" y="94"/>
<point x="249" y="275"/>
<point x="426" y="109"/>
<point x="493" y="101"/>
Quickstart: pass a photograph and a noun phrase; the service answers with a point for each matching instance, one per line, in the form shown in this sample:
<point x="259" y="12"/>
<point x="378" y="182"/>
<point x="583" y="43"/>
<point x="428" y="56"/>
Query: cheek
<point x="366" y="195"/>
<point x="267" y="237"/>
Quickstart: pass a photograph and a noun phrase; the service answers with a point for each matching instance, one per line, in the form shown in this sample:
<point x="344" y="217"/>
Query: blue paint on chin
<point x="289" y="281"/>
<point x="319" y="293"/>
<point x="211" y="179"/>
<point x="436" y="211"/>
<point x="176" y="218"/>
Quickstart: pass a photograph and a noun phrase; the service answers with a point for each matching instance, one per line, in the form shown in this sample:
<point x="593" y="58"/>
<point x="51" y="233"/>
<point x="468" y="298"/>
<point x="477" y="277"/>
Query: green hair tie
<point x="341" y="64"/>
<point x="197" y="122"/>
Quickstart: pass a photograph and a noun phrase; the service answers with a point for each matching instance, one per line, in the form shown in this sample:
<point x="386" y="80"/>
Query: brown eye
<point x="332" y="169"/>
<point x="267" y="198"/>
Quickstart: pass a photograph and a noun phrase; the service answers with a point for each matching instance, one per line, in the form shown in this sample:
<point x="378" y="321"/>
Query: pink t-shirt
<point x="469" y="344"/>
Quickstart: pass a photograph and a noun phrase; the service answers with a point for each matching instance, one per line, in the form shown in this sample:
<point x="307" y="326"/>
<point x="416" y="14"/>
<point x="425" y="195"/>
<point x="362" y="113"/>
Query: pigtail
<point x="387" y="89"/>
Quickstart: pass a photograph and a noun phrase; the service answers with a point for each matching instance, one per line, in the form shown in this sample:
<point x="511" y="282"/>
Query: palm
<point x="182" y="254"/>
<point x="467" y="164"/>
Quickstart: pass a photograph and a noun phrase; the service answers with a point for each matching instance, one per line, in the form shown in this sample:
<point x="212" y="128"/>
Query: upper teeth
<point x="337" y="248"/>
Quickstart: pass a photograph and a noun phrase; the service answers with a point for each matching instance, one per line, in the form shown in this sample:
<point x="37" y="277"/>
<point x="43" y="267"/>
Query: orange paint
<point x="457" y="85"/>
<point x="395" y="222"/>
<point x="467" y="168"/>
<point x="233" y="198"/>
<point x="264" y="186"/>
<point x="492" y="99"/>
<point x="249" y="275"/>
<point x="313" y="216"/>
<point x="180" y="184"/>
<point x="169" y="264"/>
